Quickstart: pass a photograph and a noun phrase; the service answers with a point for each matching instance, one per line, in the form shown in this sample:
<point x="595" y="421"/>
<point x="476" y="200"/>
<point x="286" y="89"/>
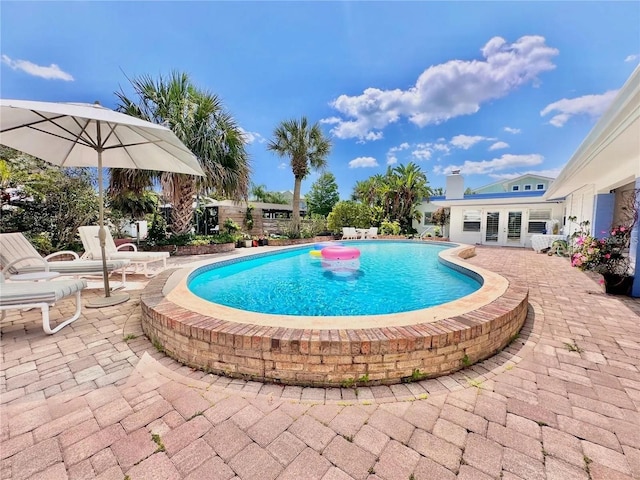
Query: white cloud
<point x="551" y="173"/>
<point x="282" y="165"/>
<point x="592" y="105"/>
<point x="422" y="153"/>
<point x="512" y="130"/>
<point x="466" y="141"/>
<point x="391" y="154"/>
<point x="363" y="162"/>
<point x="445" y="91"/>
<point x="52" y="72"/>
<point x="252" y="137"/>
<point x="632" y="58"/>
<point x="481" y="167"/>
<point x="498" y="146"/>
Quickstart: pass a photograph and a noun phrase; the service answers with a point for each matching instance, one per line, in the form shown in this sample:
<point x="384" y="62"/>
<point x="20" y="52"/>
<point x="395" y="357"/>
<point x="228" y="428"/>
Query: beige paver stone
<point x="92" y="444"/>
<point x="562" y="445"/>
<point x="522" y="465"/>
<point x="188" y="432"/>
<point x="312" y="432"/>
<point x="349" y="421"/>
<point x="146" y="415"/>
<point x="224" y="409"/>
<point x="78" y="432"/>
<point x="227" y="439"/>
<point x="15" y="444"/>
<point x="309" y="465"/>
<point x="255" y="463"/>
<point x="286" y="447"/>
<point x="112" y="473"/>
<point x="62" y="424"/>
<point x="54" y="472"/>
<point x="335" y="473"/>
<point x="371" y="439"/>
<point x="515" y="440"/>
<point x="557" y="469"/>
<point x="391" y="425"/>
<point x="247" y="417"/>
<point x="190" y="403"/>
<point x="192" y="456"/>
<point x="34" y="459"/>
<point x="598" y="471"/>
<point x="269" y="427"/>
<point x="605" y="456"/>
<point x="468" y="420"/>
<point x="589" y="432"/>
<point x="437" y="449"/>
<point x="422" y="414"/>
<point x="133" y="448"/>
<point x="349" y="457"/>
<point x="483" y="454"/>
<point x="396" y="461"/>
<point x="156" y="467"/>
<point x="83" y="469"/>
<point x="103" y="460"/>
<point x="29" y="420"/>
<point x="325" y="413"/>
<point x="212" y="469"/>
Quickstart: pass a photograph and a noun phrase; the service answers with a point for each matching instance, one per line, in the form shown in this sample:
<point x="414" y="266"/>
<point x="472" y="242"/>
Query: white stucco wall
<point x="579" y="204"/>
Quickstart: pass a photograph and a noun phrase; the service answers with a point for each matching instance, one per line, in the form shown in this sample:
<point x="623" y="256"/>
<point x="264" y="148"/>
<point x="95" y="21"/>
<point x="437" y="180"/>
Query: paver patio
<point x="97" y="400"/>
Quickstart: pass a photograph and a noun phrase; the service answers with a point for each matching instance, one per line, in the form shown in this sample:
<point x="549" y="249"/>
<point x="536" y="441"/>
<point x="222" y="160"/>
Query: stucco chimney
<point x="455" y="186"/>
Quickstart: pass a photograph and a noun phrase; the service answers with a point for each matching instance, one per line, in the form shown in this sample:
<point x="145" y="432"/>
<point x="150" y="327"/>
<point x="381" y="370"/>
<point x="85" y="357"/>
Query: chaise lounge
<point x="89" y="237"/>
<point x="41" y="295"/>
<point x="19" y="257"/>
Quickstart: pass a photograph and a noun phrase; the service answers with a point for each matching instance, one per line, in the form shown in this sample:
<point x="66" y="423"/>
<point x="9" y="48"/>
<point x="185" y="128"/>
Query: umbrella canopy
<point x="90" y="135"/>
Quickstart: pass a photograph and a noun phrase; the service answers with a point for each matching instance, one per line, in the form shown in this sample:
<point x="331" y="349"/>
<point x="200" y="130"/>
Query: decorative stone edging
<point x="332" y="356"/>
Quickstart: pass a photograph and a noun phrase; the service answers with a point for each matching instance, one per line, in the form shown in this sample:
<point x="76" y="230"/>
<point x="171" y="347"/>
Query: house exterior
<point x="523" y="183"/>
<point x="499" y="216"/>
<point x="605" y="170"/>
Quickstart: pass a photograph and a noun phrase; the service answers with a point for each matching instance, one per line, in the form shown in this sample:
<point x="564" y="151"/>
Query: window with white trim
<point x="471" y="220"/>
<point x="540" y="186"/>
<point x="527" y="187"/>
<point x="515" y="188"/>
<point x="538" y="220"/>
<point x="427" y="218"/>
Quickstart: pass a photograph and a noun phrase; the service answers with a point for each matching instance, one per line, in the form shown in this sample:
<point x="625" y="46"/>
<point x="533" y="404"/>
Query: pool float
<point x="321" y="245"/>
<point x="340" y="253"/>
<point x="315" y="253"/>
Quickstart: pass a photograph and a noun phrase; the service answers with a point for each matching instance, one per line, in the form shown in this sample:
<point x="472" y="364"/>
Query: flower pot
<point x="617" y="284"/>
<point x="255" y="243"/>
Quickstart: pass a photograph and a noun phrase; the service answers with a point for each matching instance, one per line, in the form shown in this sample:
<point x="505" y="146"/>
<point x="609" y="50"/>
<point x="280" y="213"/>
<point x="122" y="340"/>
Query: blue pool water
<point x="391" y="277"/>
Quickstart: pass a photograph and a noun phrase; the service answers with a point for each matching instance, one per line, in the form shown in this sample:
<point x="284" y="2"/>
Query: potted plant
<point x="606" y="256"/>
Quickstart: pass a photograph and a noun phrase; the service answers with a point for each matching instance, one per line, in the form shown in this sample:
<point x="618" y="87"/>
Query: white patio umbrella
<point x="86" y="135"/>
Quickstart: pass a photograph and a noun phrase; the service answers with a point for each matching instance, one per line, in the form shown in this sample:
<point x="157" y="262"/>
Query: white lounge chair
<point x="41" y="295"/>
<point x="349" y="233"/>
<point x="18" y="256"/>
<point x="89" y="237"/>
<point x="371" y="233"/>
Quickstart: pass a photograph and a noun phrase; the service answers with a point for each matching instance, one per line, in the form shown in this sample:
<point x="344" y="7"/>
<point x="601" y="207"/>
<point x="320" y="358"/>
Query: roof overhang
<point x="609" y="156"/>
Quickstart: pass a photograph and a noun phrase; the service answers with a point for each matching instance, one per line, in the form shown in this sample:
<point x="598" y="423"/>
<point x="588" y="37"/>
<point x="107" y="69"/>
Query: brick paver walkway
<point x="97" y="400"/>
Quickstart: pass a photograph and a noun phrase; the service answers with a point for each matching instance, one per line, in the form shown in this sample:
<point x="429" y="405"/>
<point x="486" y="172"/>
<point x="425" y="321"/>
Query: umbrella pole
<point x="108" y="299"/>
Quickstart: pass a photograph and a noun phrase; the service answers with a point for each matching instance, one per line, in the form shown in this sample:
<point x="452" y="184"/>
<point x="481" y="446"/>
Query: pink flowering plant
<point x="606" y="255"/>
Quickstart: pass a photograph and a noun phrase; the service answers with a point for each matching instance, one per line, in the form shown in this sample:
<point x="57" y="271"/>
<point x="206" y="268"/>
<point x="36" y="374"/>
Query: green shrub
<point x="390" y="228"/>
<point x="349" y="214"/>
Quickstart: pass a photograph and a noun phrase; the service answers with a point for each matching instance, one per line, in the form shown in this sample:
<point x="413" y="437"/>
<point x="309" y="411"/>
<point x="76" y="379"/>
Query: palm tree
<point x="307" y="147"/>
<point x="199" y="119"/>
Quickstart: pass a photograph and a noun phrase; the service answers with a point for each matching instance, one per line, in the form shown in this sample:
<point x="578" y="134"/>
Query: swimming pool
<point x="332" y="350"/>
<point x="389" y="277"/>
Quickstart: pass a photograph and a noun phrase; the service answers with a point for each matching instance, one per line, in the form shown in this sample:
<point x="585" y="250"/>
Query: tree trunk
<point x="295" y="221"/>
<point x="182" y="211"/>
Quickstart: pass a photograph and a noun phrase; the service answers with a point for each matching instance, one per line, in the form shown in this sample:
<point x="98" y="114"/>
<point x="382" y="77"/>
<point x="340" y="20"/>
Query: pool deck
<point x="561" y="402"/>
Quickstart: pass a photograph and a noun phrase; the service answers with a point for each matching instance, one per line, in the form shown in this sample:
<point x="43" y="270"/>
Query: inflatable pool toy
<point x="340" y="253"/>
<point x="321" y="245"/>
<point x="315" y="253"/>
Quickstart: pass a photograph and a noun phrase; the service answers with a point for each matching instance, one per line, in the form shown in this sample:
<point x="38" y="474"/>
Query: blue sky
<point x="497" y="89"/>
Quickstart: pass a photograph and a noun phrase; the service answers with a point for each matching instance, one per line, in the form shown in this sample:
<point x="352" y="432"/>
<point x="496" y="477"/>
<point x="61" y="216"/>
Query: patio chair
<point x="19" y="257"/>
<point x="89" y="237"/>
<point x="349" y="233"/>
<point x="372" y="233"/>
<point x="41" y="295"/>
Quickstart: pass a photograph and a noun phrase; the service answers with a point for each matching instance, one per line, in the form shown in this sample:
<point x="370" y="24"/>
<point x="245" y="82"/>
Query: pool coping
<point x="316" y="351"/>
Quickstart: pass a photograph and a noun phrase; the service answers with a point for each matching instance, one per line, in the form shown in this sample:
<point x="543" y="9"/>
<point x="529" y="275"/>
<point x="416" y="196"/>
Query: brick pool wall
<point x="331" y="357"/>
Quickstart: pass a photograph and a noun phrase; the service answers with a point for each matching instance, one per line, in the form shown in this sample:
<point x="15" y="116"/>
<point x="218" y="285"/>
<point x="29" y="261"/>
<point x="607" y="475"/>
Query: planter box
<point x="282" y="242"/>
<point x="194" y="249"/>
